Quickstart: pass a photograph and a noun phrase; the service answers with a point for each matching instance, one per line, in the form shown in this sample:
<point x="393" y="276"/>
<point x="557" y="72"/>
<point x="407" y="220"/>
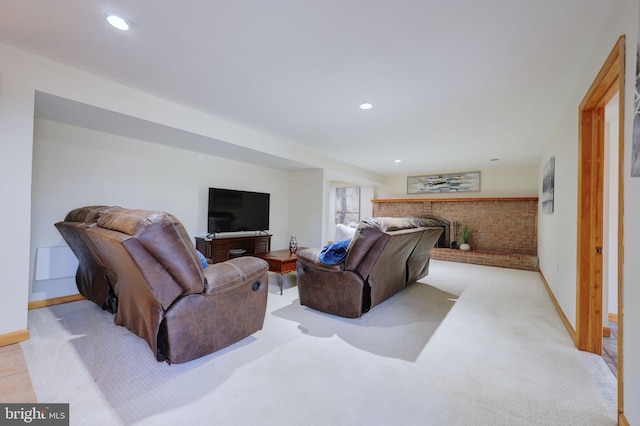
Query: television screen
<point x="232" y="210"/>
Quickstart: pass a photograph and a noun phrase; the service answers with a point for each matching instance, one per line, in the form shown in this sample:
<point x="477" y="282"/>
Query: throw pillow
<point x="344" y="232"/>
<point x="203" y="260"/>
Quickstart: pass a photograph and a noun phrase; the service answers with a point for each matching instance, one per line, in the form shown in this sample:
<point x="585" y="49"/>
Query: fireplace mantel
<point x="453" y="200"/>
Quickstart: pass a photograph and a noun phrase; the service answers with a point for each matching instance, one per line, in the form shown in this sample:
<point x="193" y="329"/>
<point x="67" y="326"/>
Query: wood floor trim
<point x="14" y="337"/>
<point x="55" y="301"/>
<point x="563" y="317"/>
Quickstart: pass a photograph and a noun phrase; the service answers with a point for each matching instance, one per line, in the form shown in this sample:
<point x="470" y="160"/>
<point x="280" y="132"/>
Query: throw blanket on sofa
<point x="335" y="253"/>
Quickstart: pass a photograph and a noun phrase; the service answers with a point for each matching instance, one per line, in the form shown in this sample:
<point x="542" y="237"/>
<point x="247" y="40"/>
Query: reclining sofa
<point x="92" y="277"/>
<point x="164" y="295"/>
<point x="384" y="256"/>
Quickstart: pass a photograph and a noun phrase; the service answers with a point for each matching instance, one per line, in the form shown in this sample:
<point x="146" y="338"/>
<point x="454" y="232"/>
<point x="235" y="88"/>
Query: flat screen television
<point x="233" y="210"/>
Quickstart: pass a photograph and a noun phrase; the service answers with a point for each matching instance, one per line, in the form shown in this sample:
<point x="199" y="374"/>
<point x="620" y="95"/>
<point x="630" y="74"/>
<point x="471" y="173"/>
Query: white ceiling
<point x="454" y="83"/>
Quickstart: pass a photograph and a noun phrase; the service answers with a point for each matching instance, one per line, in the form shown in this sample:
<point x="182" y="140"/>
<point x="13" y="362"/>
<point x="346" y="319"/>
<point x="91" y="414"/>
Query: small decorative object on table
<point x="293" y="244"/>
<point x="465" y="233"/>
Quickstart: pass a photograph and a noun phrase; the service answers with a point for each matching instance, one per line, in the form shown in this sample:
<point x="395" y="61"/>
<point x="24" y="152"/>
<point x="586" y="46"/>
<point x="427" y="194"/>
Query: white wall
<point x="16" y="130"/>
<point x="308" y="207"/>
<point x="626" y="21"/>
<point x="73" y="167"/>
<point x="501" y="182"/>
<point x="557" y="232"/>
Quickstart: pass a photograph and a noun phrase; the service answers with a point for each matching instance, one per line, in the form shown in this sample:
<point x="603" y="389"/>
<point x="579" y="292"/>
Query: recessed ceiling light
<point x="117" y="21"/>
<point x="397" y="161"/>
<point x="366" y="105"/>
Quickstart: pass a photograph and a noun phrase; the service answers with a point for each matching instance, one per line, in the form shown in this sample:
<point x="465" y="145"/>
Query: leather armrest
<point x="311" y="257"/>
<point x="233" y="273"/>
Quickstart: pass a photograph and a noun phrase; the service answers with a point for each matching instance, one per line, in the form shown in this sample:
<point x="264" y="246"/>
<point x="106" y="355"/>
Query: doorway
<point x="610" y="238"/>
<point x="591" y="214"/>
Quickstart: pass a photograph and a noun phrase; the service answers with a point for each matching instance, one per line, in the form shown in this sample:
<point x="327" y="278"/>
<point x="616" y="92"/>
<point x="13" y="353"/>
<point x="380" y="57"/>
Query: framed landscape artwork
<point x="635" y="147"/>
<point x="348" y="205"/>
<point x="548" y="180"/>
<point x="455" y="182"/>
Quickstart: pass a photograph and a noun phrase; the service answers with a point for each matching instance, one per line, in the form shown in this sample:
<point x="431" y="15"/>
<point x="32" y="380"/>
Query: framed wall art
<point x="635" y="138"/>
<point x="348" y="205"/>
<point x="548" y="181"/>
<point x="455" y="182"/>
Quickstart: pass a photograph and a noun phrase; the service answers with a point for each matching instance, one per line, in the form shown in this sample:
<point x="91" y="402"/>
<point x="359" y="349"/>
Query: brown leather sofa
<point x="384" y="256"/>
<point x="92" y="277"/>
<point x="165" y="296"/>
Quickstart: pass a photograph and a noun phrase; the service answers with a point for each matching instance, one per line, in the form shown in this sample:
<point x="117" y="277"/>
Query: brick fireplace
<point x="504" y="230"/>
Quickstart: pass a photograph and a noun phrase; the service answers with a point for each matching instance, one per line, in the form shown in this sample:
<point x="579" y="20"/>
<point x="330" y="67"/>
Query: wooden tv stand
<point x="217" y="248"/>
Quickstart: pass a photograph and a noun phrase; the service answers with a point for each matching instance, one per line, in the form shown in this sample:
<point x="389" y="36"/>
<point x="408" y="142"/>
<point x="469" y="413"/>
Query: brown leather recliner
<point x="165" y="296"/>
<point x="384" y="256"/>
<point x="92" y="278"/>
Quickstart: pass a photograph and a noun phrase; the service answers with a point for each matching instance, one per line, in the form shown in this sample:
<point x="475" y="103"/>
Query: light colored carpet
<point x="469" y="345"/>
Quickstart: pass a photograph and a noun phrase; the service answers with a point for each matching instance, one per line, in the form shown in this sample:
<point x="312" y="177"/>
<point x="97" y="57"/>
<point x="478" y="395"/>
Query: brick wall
<point x="499" y="225"/>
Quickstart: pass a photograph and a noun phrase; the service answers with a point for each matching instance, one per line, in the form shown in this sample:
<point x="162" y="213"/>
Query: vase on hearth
<point x="465" y="233"/>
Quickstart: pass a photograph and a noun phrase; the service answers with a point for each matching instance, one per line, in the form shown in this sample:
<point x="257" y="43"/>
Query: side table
<point x="281" y="262"/>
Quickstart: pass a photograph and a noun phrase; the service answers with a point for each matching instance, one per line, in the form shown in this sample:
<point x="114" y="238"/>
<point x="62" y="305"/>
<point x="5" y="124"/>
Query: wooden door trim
<point x="608" y="82"/>
<point x="589" y="268"/>
<point x="621" y="45"/>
